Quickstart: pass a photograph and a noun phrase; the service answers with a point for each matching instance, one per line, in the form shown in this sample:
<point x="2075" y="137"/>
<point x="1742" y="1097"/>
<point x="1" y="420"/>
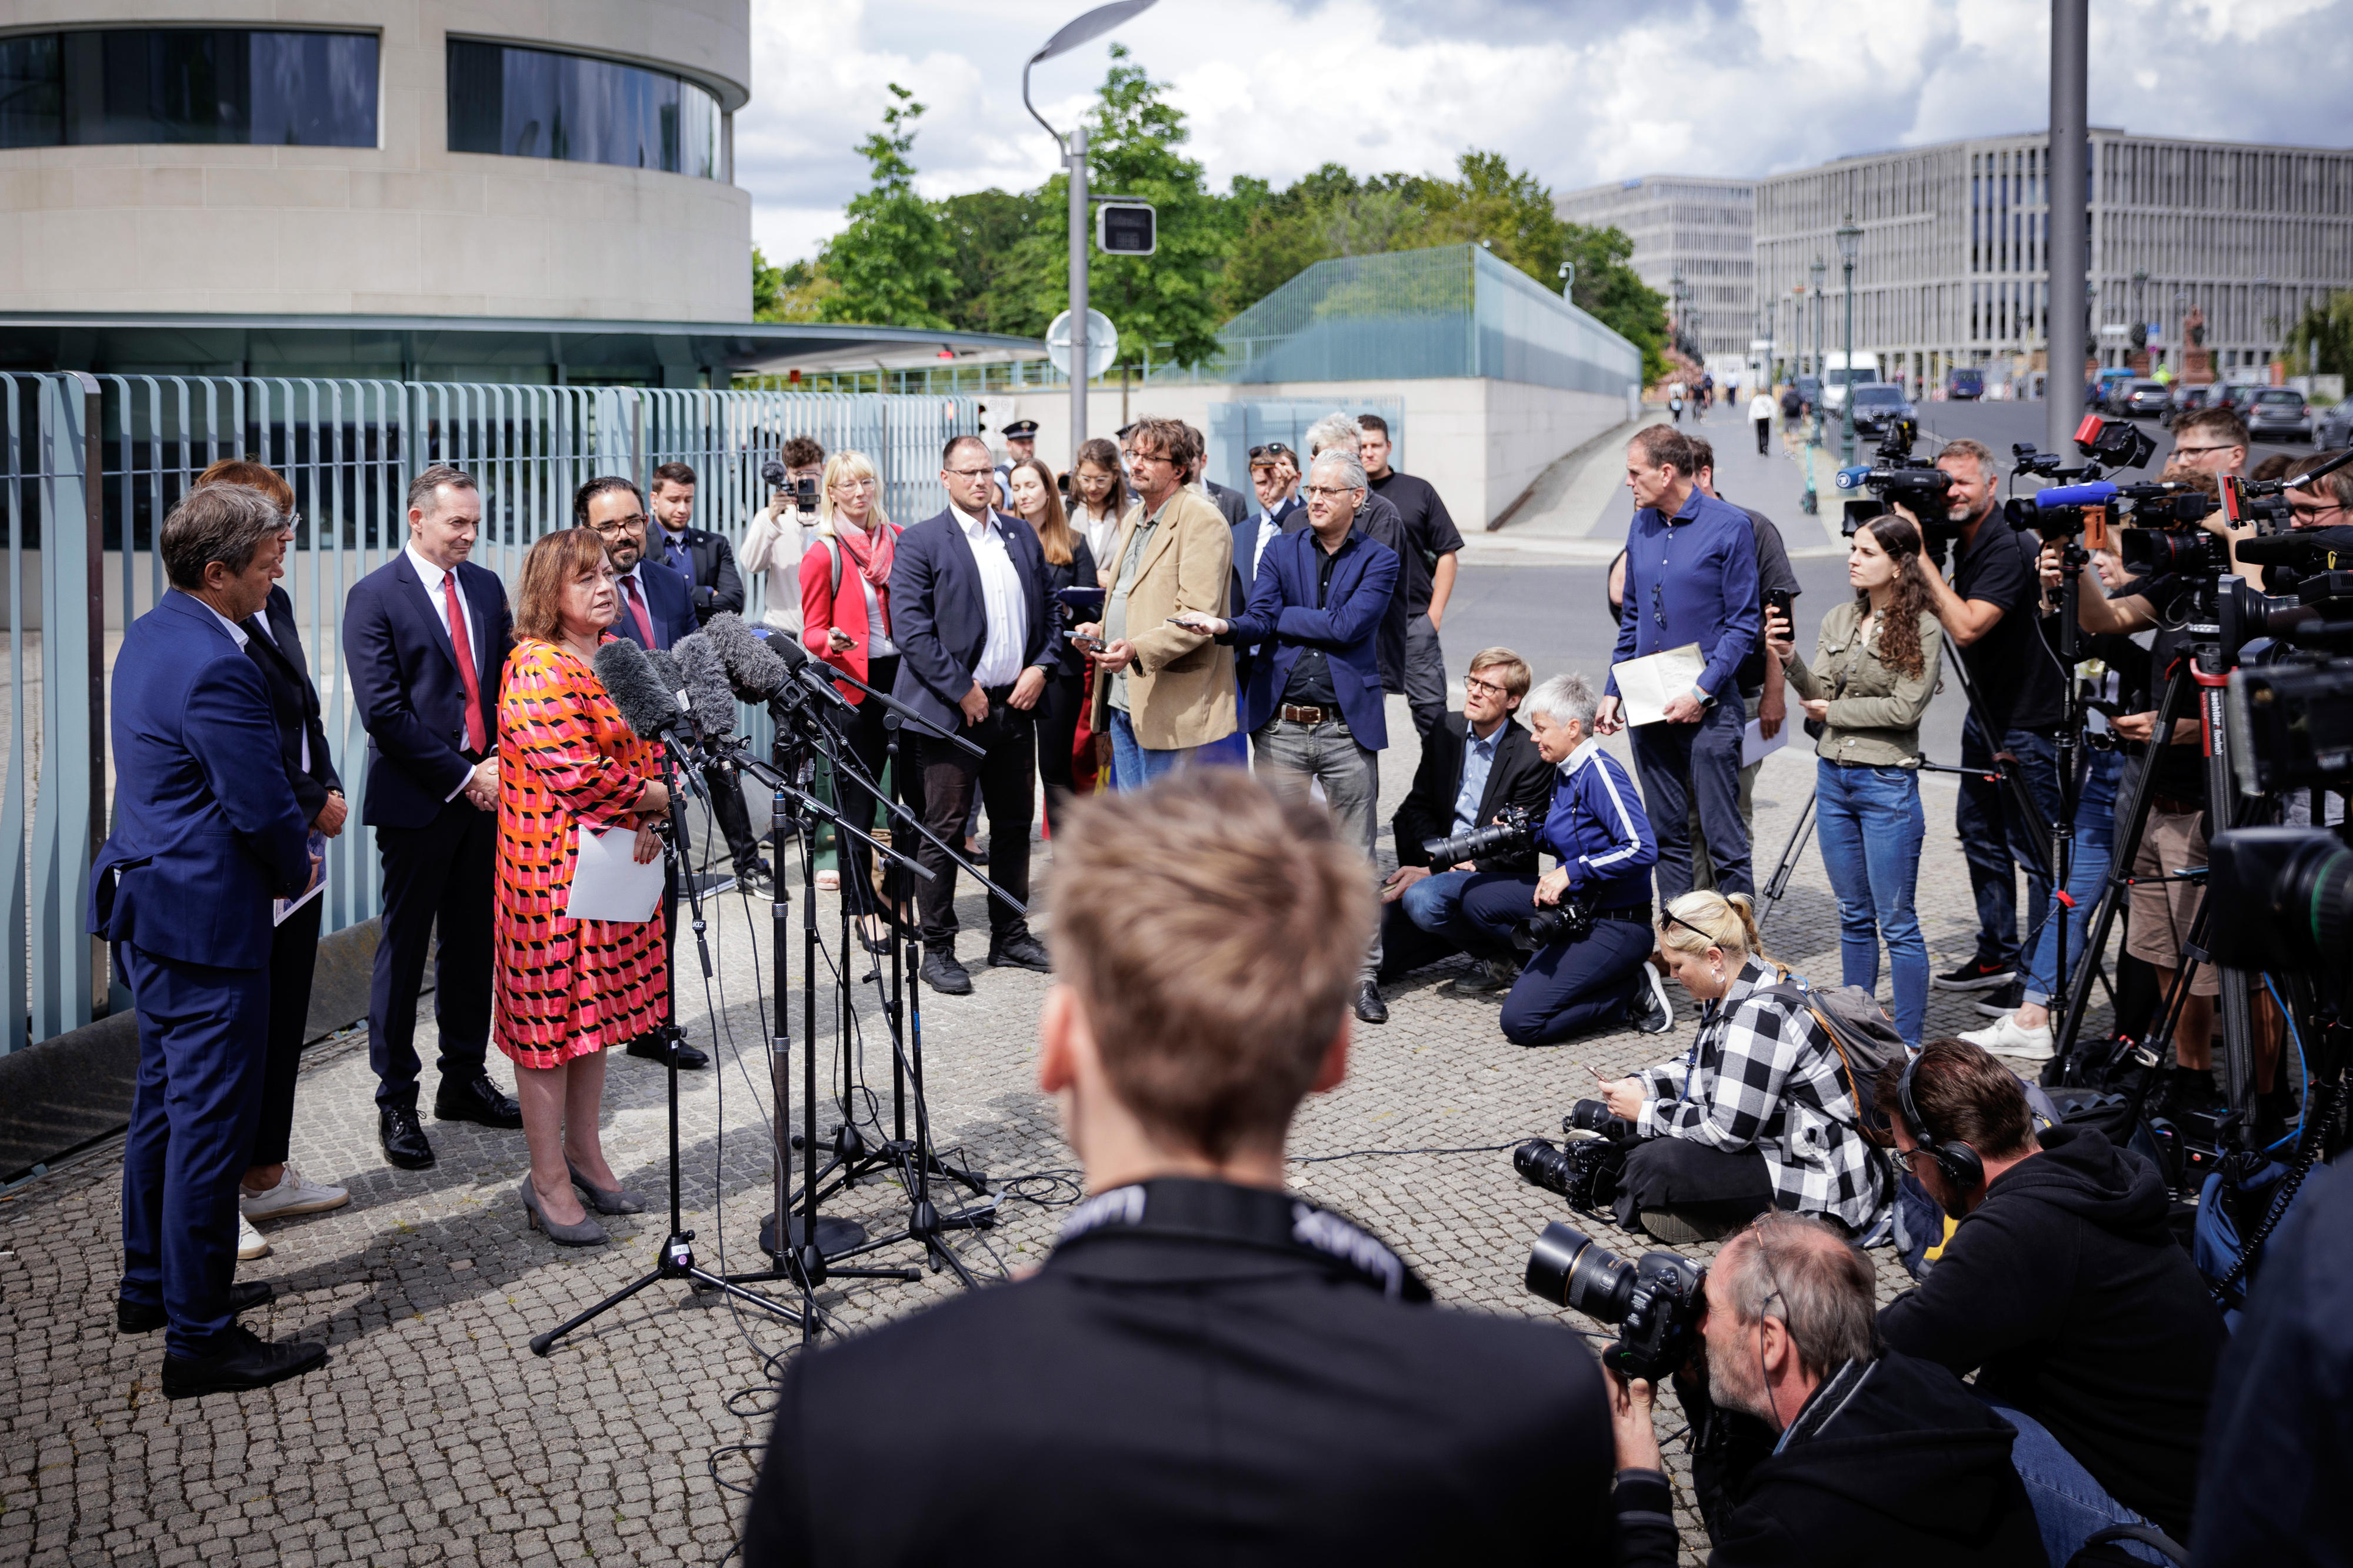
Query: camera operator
<point x="781" y="530"/>
<point x="1810" y="1443"/>
<point x="2062" y="1289"/>
<point x="1206" y="1368"/>
<point x="1475" y="767"/>
<point x="1575" y="981"/>
<point x="1992" y="610"/>
<point x="1757" y="1115"/>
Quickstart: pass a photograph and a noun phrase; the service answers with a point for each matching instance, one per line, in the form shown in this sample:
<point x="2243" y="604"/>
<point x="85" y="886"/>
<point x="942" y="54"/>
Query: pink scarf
<point x="874" y="564"/>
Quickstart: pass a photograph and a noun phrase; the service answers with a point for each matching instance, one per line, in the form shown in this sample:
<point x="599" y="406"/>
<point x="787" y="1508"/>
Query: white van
<point x="1835" y="376"/>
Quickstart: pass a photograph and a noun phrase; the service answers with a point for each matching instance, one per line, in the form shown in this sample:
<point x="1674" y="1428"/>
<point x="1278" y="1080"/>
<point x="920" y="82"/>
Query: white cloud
<point x="1580" y="92"/>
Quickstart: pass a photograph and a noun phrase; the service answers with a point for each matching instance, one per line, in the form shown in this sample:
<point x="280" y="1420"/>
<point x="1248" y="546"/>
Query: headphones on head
<point x="1960" y="1163"/>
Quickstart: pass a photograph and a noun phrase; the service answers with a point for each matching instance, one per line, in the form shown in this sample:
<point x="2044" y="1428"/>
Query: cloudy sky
<point x="1580" y="92"/>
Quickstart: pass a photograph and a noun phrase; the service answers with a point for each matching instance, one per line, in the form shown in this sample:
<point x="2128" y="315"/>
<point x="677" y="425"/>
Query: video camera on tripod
<point x="1898" y="478"/>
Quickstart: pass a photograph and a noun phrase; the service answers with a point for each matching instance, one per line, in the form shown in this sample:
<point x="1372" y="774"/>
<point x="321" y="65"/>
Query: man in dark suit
<point x="1474" y="765"/>
<point x="656" y="611"/>
<point x="203" y="840"/>
<point x="1207" y="1368"/>
<point x="703" y="558"/>
<point x="1280" y="512"/>
<point x="426" y="638"/>
<point x="1312" y="707"/>
<point x="969" y="613"/>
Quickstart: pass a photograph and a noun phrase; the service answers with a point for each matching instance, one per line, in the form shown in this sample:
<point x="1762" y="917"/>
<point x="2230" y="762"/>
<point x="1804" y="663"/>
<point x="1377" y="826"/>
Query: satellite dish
<point x="1102" y="344"/>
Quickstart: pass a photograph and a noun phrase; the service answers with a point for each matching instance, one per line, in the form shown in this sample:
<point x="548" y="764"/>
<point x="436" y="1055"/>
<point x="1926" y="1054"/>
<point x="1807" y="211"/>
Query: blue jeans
<point x="1996" y="840"/>
<point x="2096" y="837"/>
<point x="2070" y="1507"/>
<point x="1426" y="924"/>
<point x="1135" y="764"/>
<point x="1871" y="827"/>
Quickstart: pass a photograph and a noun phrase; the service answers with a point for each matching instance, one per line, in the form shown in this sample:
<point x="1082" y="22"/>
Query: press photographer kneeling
<point x="1810" y="1442"/>
<point x="1757" y="1115"/>
<point x="1585" y="923"/>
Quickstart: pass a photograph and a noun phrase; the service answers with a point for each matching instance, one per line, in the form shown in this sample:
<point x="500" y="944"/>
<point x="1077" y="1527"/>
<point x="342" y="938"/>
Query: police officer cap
<point x="1021" y="430"/>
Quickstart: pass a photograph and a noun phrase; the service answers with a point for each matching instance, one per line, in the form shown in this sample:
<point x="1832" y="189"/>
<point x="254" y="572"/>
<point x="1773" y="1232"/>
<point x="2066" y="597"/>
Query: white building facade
<point x="1695" y="232"/>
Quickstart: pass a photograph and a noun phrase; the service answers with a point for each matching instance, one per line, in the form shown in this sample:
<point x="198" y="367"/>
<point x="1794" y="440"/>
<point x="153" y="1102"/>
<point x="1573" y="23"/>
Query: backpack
<point x="1863" y="1036"/>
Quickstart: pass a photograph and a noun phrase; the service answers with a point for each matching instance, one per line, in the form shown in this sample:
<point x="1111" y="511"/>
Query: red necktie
<point x="464" y="646"/>
<point x="637" y="608"/>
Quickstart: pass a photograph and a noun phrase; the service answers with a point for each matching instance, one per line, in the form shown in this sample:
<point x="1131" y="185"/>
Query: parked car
<point x="2278" y="413"/>
<point x="1965" y="386"/>
<point x="2191" y="399"/>
<point x="2105" y="387"/>
<point x="2333" y="426"/>
<point x="1876" y="403"/>
<point x="2142" y="399"/>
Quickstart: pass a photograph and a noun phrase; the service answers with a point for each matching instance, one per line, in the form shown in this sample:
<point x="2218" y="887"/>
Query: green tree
<point x="1609" y="289"/>
<point x="796" y="291"/>
<point x="985" y="228"/>
<point x="2327" y="326"/>
<point x="1169" y="298"/>
<point x="892" y="261"/>
<point x="1510" y="212"/>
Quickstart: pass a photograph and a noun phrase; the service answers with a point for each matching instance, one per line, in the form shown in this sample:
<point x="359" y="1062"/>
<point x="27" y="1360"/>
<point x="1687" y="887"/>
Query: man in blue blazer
<point x="203" y="840"/>
<point x="426" y="638"/>
<point x="969" y="613"/>
<point x="657" y="609"/>
<point x="1313" y="703"/>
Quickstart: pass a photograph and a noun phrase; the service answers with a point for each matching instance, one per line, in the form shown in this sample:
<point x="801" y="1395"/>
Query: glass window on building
<point x="228" y="85"/>
<point x="537" y="103"/>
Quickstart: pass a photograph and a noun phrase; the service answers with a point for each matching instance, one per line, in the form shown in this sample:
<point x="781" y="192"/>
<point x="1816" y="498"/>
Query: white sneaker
<point x="249" y="1244"/>
<point x="2004" y="1037"/>
<point x="291" y="1195"/>
<point x="1651" y="1012"/>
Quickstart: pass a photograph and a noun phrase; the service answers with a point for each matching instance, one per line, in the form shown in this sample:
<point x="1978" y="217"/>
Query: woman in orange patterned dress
<point x="566" y="989"/>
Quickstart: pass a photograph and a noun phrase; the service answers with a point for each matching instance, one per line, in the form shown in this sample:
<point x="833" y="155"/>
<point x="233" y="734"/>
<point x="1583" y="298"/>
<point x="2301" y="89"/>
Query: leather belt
<point x="2173" y="805"/>
<point x="1632" y="914"/>
<point x="1309" y="716"/>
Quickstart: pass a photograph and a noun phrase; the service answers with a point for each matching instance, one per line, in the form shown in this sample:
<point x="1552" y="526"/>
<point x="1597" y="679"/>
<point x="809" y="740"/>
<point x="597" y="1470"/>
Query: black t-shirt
<point x="1773" y="575"/>
<point x="2177" y="771"/>
<point x="1430" y="533"/>
<point x="1310" y="685"/>
<point x="2013" y="666"/>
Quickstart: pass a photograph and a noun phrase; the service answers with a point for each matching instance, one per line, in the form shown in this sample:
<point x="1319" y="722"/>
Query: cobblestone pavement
<point x="434" y="1436"/>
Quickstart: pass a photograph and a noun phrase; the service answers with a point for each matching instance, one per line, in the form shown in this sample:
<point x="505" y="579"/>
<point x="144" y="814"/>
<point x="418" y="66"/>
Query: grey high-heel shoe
<point x="587" y="1233"/>
<point x="620" y="1200"/>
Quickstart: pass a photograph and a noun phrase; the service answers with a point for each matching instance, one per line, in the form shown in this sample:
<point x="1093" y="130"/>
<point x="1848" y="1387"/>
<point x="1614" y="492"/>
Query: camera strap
<point x="1223" y="1213"/>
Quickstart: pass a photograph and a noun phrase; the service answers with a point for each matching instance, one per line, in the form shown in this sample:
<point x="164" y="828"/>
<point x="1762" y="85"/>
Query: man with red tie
<point x="657" y="609"/>
<point x="426" y="638"/>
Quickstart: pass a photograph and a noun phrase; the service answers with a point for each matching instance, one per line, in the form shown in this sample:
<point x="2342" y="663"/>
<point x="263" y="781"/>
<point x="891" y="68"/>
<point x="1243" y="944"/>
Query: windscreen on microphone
<point x="751" y="664"/>
<point x="709" y="694"/>
<point x="636" y="689"/>
<point x="666" y="671"/>
<point x="2097" y="493"/>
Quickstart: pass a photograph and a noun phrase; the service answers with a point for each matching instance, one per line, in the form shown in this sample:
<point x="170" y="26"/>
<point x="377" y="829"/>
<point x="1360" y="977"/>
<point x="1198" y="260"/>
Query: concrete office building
<point x="1951" y="271"/>
<point x="496" y="190"/>
<point x="1698" y="231"/>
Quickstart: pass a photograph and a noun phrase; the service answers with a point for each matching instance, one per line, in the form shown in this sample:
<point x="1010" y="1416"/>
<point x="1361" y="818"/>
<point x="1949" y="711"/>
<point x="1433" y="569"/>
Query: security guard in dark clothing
<point x="1207" y="1368"/>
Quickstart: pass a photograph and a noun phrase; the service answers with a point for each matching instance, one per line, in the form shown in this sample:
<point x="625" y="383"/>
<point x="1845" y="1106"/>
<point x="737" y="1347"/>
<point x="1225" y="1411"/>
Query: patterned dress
<point x="564" y="987"/>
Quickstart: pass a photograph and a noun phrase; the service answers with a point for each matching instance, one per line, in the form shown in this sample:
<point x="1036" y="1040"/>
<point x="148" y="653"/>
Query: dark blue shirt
<point x="1691" y="578"/>
<point x="1598" y="827"/>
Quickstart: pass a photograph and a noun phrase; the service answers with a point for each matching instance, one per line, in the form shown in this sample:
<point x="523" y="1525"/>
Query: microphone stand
<point x="675" y="1260"/>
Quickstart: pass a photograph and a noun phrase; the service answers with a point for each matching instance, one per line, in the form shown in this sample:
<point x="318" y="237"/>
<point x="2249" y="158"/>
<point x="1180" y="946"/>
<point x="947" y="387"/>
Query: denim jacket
<point x="1875" y="713"/>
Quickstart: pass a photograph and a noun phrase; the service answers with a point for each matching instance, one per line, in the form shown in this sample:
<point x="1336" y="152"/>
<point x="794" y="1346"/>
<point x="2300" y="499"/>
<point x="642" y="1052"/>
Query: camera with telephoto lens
<point x="1515" y="830"/>
<point x="1584" y="1172"/>
<point x="1897" y="477"/>
<point x="1656" y="1304"/>
<point x="1571" y="919"/>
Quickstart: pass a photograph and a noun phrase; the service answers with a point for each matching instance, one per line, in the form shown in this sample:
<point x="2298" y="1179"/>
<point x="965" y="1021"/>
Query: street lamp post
<point x="1093" y="24"/>
<point x="1849" y="239"/>
<point x="1811" y="502"/>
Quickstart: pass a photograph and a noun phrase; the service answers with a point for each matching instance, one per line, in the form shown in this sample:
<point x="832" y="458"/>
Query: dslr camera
<point x="1656" y="1304"/>
<point x="1586" y="1171"/>
<point x="773" y="474"/>
<point x="1897" y="477"/>
<point x="1516" y="831"/>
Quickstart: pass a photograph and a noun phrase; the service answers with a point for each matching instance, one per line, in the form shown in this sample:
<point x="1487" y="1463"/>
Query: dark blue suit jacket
<point x="1283" y="611"/>
<point x="940" y="621"/>
<point x="669" y="604"/>
<point x="406" y="684"/>
<point x="203" y="838"/>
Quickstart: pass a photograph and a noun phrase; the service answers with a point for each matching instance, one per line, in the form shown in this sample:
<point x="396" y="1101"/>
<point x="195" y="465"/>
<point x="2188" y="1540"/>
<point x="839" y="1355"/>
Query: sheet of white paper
<point x="1755" y="748"/>
<point x="1645" y="684"/>
<point x="281" y="908"/>
<point x="607" y="883"/>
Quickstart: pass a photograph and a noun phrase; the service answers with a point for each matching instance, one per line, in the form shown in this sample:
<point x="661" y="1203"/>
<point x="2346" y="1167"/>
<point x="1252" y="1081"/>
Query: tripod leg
<point x="542" y="1343"/>
<point x="1791" y="852"/>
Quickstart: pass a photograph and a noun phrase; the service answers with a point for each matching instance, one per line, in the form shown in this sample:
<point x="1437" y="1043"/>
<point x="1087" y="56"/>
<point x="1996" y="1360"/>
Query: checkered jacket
<point x="1762" y="1074"/>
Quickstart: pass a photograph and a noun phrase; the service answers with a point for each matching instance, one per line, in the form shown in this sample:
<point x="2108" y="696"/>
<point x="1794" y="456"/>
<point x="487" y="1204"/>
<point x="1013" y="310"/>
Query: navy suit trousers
<point x="1566" y="988"/>
<point x="442" y="873"/>
<point x="202" y="1036"/>
<point x="1686" y="765"/>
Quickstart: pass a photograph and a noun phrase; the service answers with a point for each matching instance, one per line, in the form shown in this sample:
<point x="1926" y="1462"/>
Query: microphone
<point x="665" y="669"/>
<point x="1851" y="478"/>
<point x="709" y="695"/>
<point x="651" y="712"/>
<point x="765" y="666"/>
<point x="2099" y="492"/>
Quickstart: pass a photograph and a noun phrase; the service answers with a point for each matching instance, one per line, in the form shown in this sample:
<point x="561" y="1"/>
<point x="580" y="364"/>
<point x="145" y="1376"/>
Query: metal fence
<point x="95" y="463"/>
<point x="1452" y="310"/>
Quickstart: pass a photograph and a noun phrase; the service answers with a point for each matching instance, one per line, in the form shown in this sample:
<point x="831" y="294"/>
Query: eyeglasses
<point x="2306" y="513"/>
<point x="2199" y="451"/>
<point x="1331" y="489"/>
<point x="1903" y="1158"/>
<point x="968" y="473"/>
<point x="633" y="523"/>
<point x="1472" y="683"/>
<point x="1674" y="919"/>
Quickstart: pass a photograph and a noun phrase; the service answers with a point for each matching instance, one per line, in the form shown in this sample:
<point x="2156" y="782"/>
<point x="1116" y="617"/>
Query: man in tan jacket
<point x="1162" y="691"/>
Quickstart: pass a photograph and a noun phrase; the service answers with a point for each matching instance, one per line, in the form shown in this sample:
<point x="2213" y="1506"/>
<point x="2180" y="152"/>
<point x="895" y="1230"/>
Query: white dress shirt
<point x="1000" y="592"/>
